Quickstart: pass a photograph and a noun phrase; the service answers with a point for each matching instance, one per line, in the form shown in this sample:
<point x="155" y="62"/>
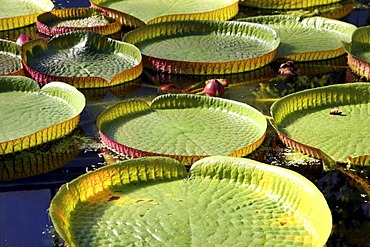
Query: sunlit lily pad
<point x="205" y="47"/>
<point x="307" y="39"/>
<point x="30" y="116"/>
<point x="20" y="13"/>
<point x="225" y="201"/>
<point x="183" y="126"/>
<point x="135" y="13"/>
<point x="330" y="122"/>
<point x="287" y="4"/>
<point x="71" y="19"/>
<point x="84" y="59"/>
<point x="10" y="58"/>
<point x="358" y="52"/>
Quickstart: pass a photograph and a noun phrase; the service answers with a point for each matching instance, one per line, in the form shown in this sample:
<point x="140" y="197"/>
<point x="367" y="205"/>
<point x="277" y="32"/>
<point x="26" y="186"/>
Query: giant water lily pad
<point x="358" y="52"/>
<point x="205" y="47"/>
<point x="84" y="59"/>
<point x="41" y="159"/>
<point x="224" y="201"/>
<point x="10" y="58"/>
<point x="20" y="13"/>
<point x="307" y="39"/>
<point x="183" y="126"/>
<point x="135" y="13"/>
<point x="287" y="4"/>
<point x="71" y="19"/>
<point x="330" y="122"/>
<point x="30" y="116"/>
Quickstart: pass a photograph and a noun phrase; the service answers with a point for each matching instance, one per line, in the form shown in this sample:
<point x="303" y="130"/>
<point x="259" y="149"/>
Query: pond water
<point x="24" y="202"/>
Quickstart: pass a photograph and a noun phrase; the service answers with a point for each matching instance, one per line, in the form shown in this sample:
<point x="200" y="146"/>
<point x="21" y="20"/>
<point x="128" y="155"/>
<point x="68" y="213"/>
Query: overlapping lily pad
<point x="205" y="47"/>
<point x="224" y="201"/>
<point x="10" y="58"/>
<point x="84" y="59"/>
<point x="358" y="52"/>
<point x="331" y="122"/>
<point x="135" y="13"/>
<point x="307" y="39"/>
<point x="30" y="116"/>
<point x="183" y="126"/>
<point x="20" y="13"/>
<point x="71" y="19"/>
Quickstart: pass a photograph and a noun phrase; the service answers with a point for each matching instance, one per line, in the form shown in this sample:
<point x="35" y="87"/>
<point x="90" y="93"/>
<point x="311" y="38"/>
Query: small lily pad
<point x="84" y="59"/>
<point x="224" y="201"/>
<point x="205" y="47"/>
<point x="307" y="39"/>
<point x="71" y="19"/>
<point x="30" y="116"/>
<point x="135" y="13"/>
<point x="330" y="122"/>
<point x="20" y="13"/>
<point x="183" y="126"/>
<point x="10" y="58"/>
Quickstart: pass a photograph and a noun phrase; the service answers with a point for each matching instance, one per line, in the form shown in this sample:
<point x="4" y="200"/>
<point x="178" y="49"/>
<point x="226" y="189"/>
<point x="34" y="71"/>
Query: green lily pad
<point x="205" y="47"/>
<point x="41" y="159"/>
<point x="84" y="59"/>
<point x="135" y="13"/>
<point x="10" y="58"/>
<point x="358" y="52"/>
<point x="225" y="201"/>
<point x="287" y="4"/>
<point x="71" y="19"/>
<point x="20" y="13"/>
<point x="330" y="122"/>
<point x="183" y="126"/>
<point x="307" y="39"/>
<point x="30" y="116"/>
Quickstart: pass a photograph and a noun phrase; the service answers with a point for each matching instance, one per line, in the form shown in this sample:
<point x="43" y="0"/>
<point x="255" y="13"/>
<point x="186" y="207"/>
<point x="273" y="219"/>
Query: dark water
<point x="24" y="202"/>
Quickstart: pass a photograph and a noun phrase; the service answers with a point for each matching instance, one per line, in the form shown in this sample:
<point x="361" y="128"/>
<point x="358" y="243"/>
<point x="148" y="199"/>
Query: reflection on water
<point x="24" y="202"/>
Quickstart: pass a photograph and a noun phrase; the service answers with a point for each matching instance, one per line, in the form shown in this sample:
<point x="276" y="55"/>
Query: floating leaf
<point x="71" y="19"/>
<point x="358" y="52"/>
<point x="226" y="201"/>
<point x="287" y="4"/>
<point x="10" y="58"/>
<point x="84" y="59"/>
<point x="307" y="39"/>
<point x="204" y="47"/>
<point x="30" y="116"/>
<point x="331" y="122"/>
<point x="183" y="126"/>
<point x="135" y="13"/>
<point x="20" y="13"/>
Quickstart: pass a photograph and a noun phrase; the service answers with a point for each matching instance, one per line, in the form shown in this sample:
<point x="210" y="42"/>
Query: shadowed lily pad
<point x="331" y="122"/>
<point x="20" y="13"/>
<point x="358" y="52"/>
<point x="84" y="59"/>
<point x="10" y="58"/>
<point x="183" y="126"/>
<point x="40" y="159"/>
<point x="204" y="47"/>
<point x="135" y="13"/>
<point x="224" y="201"/>
<point x="71" y="19"/>
<point x="30" y="116"/>
<point x="307" y="39"/>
